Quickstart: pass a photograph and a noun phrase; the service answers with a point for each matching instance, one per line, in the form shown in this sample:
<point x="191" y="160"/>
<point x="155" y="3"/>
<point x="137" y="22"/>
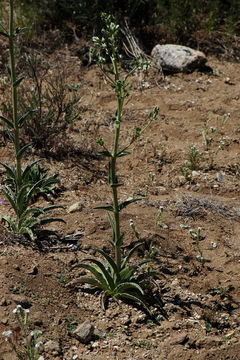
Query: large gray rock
<point x="177" y="58"/>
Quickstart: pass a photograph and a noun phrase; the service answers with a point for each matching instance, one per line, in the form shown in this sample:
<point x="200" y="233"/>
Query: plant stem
<point x="14" y="98"/>
<point x="113" y="177"/>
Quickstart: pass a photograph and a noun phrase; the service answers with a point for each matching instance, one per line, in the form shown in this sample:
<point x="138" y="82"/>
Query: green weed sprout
<point x="116" y="277"/>
<point x="21" y="190"/>
<point x="193" y="158"/>
<point x="213" y="138"/>
<point x="31" y="346"/>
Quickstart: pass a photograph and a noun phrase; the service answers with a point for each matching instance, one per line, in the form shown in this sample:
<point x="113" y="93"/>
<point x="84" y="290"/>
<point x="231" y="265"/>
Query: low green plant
<point x="116" y="276"/>
<point x="47" y="184"/>
<point x="213" y="137"/>
<point x="28" y="346"/>
<point x="196" y="235"/>
<point x="20" y="190"/>
<point x="193" y="157"/>
<point x="142" y="344"/>
<point x="186" y="173"/>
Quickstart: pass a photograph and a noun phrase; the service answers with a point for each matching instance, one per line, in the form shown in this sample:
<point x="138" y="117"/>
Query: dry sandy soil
<point x="197" y="302"/>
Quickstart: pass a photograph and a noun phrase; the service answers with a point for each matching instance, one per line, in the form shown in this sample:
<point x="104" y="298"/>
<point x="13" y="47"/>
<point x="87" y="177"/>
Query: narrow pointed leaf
<point x="11" y="198"/>
<point x="28" y="231"/>
<point x="129" y="255"/>
<point x="7" y="121"/>
<point x="110" y="261"/>
<point x="119" y="241"/>
<point x="18" y="81"/>
<point x="53" y="207"/>
<point x="108" y="208"/>
<point x="34" y="210"/>
<point x="24" y="117"/>
<point x="28" y="168"/>
<point x="99" y="276"/>
<point x="105" y="153"/>
<point x="9" y="221"/>
<point x="123" y="153"/>
<point x="33" y="189"/>
<point x="127" y="202"/>
<point x="117" y="185"/>
<point x="91" y="281"/>
<point x="28" y="223"/>
<point x="11" y="172"/>
<point x="50" y="220"/>
<point x="22" y="150"/>
<point x="20" y="30"/>
<point x="134" y="298"/>
<point x="126" y="273"/>
<point x="105" y="273"/>
<point x="4" y="34"/>
<point x="128" y="286"/>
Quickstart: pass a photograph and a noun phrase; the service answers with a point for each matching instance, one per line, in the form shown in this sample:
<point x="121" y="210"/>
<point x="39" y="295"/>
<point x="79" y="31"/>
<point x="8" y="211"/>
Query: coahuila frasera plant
<point x="116" y="277"/>
<point x="21" y="191"/>
<point x="28" y="346"/>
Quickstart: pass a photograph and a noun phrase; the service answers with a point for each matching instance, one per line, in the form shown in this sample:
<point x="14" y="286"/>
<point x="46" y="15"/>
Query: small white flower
<point x="38" y="344"/>
<point x="17" y="308"/>
<point x="36" y="333"/>
<point x="7" y="333"/>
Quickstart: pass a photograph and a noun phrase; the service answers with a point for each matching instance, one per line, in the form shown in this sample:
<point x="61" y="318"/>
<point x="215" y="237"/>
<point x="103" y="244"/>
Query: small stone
<point x="162" y="190"/>
<point x="33" y="271"/>
<point x="219" y="177"/>
<point x="52" y="347"/>
<point x="4" y="321"/>
<point x="78" y="206"/>
<point x="179" y="339"/>
<point x="195" y="187"/>
<point x="4" y="302"/>
<point x="84" y="332"/>
<point x="21" y="300"/>
<point x="36" y="318"/>
<point x="228" y="81"/>
<point x="98" y="333"/>
<point x="195" y="174"/>
<point x="181" y="179"/>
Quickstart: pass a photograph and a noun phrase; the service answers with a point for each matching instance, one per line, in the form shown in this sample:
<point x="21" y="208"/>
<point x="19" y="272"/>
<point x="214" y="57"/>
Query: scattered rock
<point x="52" y="347"/>
<point x="177" y="58"/>
<point x="5" y="302"/>
<point x="78" y="206"/>
<point x="36" y="318"/>
<point x="195" y="187"/>
<point x="195" y="174"/>
<point x="33" y="271"/>
<point x="219" y="177"/>
<point x="4" y="321"/>
<point x="21" y="300"/>
<point x="84" y="332"/>
<point x="179" y="339"/>
<point x="229" y="81"/>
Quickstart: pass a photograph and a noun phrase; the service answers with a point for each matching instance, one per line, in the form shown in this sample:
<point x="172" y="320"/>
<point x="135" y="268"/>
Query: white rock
<point x="177" y="58"/>
<point x="78" y="206"/>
